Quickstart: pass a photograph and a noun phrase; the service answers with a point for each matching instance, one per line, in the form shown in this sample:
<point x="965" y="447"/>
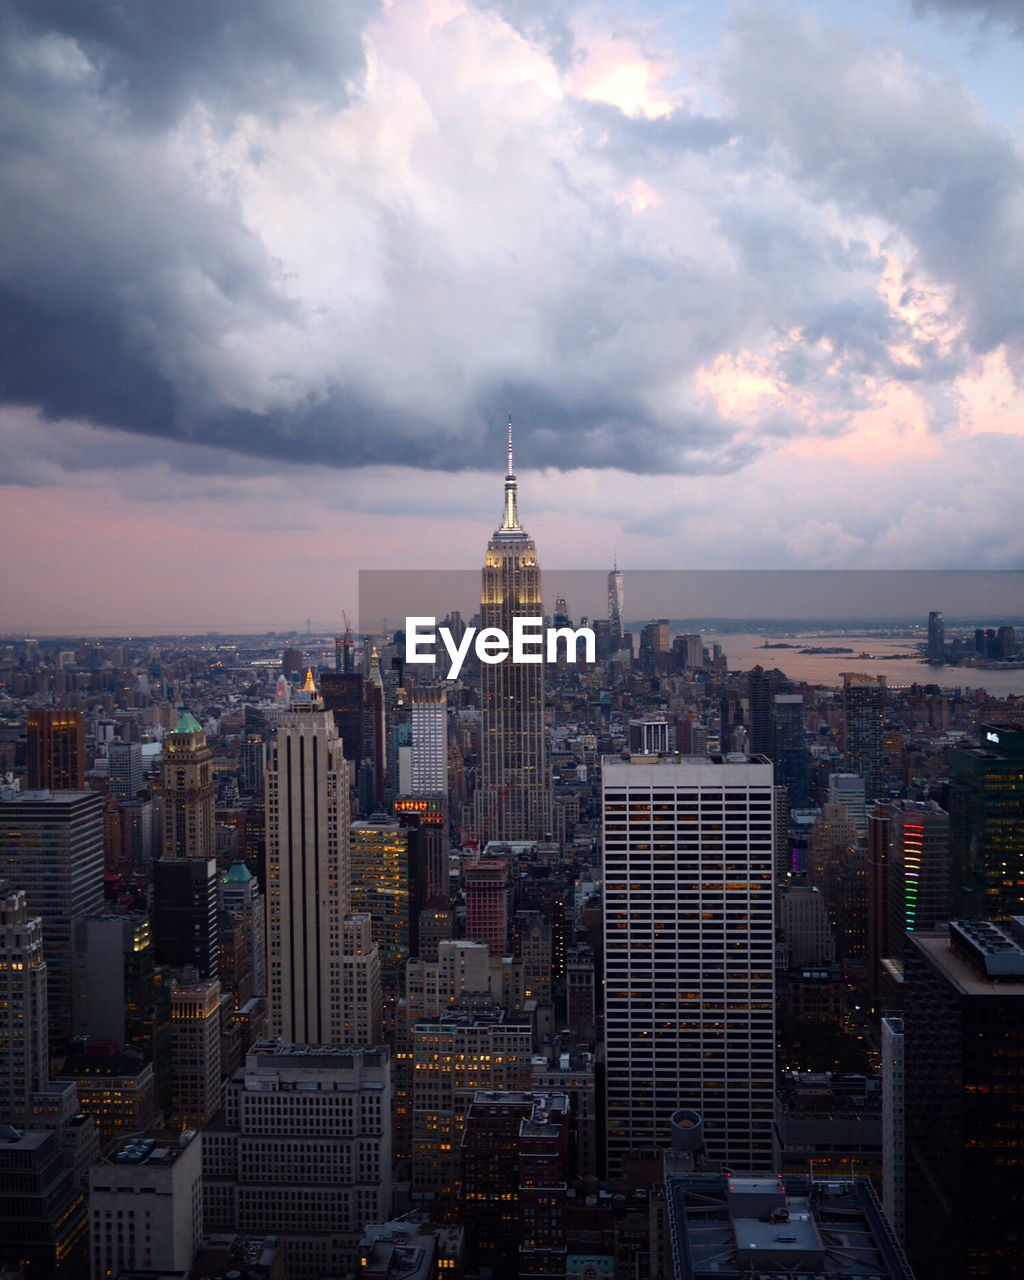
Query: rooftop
<point x="157" y="1150"/>
<point x="725" y="1227"/>
<point x="967" y="977"/>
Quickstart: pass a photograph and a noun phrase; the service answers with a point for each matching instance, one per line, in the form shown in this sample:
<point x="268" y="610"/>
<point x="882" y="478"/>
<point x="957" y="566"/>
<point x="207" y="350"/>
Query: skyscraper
<point x="185" y="927"/>
<point x="125" y="776"/>
<point x="790" y="755"/>
<point x="986" y="824"/>
<point x="308" y="893"/>
<point x="689" y="953"/>
<point x="24" y="1051"/>
<point x="380" y="888"/>
<point x="762" y="726"/>
<point x="964" y="1060"/>
<point x="189" y="792"/>
<point x="615" y="604"/>
<point x="56" y="750"/>
<point x="513" y="800"/>
<point x="428" y="710"/>
<point x="918" y="869"/>
<point x="936" y="637"/>
<point x="864" y="714"/>
<point x="51" y="845"/>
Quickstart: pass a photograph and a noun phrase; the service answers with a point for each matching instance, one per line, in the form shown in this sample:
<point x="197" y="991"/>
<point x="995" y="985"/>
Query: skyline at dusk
<point x="745" y="275"/>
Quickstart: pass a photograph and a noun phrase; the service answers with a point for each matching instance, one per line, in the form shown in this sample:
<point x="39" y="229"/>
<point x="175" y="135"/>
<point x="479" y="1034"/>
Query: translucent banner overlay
<point x="873" y="620"/>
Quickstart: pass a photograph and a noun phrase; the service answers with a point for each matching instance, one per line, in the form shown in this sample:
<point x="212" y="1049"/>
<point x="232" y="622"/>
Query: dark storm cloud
<point x="222" y="224"/>
<point x="251" y="55"/>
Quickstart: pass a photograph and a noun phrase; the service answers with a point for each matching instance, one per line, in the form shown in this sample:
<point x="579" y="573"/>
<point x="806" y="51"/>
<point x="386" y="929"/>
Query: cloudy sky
<point x="749" y="277"/>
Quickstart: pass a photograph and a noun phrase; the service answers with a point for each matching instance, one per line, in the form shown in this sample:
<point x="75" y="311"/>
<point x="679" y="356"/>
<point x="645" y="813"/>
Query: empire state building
<point x="513" y="801"/>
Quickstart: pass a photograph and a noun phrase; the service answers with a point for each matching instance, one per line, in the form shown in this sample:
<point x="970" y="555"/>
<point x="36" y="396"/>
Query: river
<point x="744" y="651"/>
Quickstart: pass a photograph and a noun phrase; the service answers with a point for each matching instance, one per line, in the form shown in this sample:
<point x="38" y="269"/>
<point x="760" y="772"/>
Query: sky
<point x="748" y="276"/>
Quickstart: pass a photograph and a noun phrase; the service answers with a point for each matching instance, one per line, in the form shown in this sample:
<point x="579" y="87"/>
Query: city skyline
<point x="255" y="341"/>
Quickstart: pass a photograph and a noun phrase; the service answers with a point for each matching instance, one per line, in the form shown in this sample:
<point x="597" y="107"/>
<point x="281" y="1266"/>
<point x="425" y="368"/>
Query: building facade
<point x="315" y="966"/>
<point x="302" y="1151"/>
<point x="51" y="845"/>
<point x="513" y="800"/>
<point x="689" y="953"/>
<point x="964" y="1063"/>
<point x="24" y="1048"/>
<point x="986" y="824"/>
<point x="189" y="792"/>
<point x="56" y="750"/>
<point x="146" y="1206"/>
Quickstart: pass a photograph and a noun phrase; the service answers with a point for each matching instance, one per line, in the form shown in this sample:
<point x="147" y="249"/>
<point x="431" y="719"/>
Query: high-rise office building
<point x="878" y="893"/>
<point x="936" y="637"/>
<point x="689" y="953"/>
<point x="428" y="710"/>
<point x="185" y="930"/>
<point x="125" y="775"/>
<point x="762" y="725"/>
<point x="789" y="752"/>
<point x="864" y="716"/>
<point x="918" y="870"/>
<point x="964" y="1061"/>
<point x="849" y="789"/>
<point x="380" y="880"/>
<point x="513" y="800"/>
<point x="239" y="895"/>
<point x="24" y="1047"/>
<point x="189" y="792"/>
<point x="894" y="1124"/>
<point x="195" y="1051"/>
<point x="342" y="692"/>
<point x="115" y="981"/>
<point x="51" y="845"/>
<point x="310" y="976"/>
<point x="986" y="824"/>
<point x="56" y="751"/>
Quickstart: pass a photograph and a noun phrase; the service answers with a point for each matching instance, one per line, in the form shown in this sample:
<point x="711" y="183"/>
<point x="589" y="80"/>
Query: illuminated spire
<point x="309" y="686"/>
<point x="511" y="520"/>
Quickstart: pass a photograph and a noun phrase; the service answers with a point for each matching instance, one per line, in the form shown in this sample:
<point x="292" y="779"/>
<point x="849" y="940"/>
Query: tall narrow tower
<point x="615" y="602"/>
<point x="190" y="793"/>
<point x="313" y="982"/>
<point x="24" y="1051"/>
<point x="513" y="801"/>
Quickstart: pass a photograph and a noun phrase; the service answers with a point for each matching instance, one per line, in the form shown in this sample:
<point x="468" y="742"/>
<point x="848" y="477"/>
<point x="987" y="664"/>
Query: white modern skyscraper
<point x="428" y="712"/>
<point x="316" y="977"/>
<point x="689" y="952"/>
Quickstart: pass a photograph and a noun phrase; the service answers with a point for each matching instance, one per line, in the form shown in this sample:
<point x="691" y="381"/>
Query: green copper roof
<point x="238" y="873"/>
<point x="188" y="724"/>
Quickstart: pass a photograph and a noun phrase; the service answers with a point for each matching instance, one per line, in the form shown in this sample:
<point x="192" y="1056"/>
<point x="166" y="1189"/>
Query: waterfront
<point x="745" y="650"/>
